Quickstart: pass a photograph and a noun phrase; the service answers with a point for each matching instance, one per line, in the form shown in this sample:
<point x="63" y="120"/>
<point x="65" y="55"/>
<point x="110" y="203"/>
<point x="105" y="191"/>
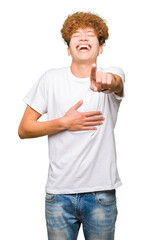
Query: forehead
<point x="84" y="29"/>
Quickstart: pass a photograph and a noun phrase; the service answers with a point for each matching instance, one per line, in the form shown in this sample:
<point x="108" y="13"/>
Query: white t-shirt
<point x="79" y="161"/>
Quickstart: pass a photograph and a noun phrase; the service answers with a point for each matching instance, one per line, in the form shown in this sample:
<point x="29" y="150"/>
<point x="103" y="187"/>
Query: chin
<point x="86" y="60"/>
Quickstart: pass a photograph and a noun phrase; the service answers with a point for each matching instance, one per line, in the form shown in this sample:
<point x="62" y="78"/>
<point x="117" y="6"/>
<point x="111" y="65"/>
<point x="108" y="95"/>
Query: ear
<point x="100" y="49"/>
<point x="68" y="50"/>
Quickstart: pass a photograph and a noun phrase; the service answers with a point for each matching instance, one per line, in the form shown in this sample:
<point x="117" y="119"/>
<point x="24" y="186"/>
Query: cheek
<point x="96" y="46"/>
<point x="72" y="47"/>
<point x="96" y="50"/>
<point x="73" y="41"/>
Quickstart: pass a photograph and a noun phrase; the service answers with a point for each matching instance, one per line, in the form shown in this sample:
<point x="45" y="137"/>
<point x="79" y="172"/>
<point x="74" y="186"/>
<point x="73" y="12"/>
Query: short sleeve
<point x="118" y="71"/>
<point x="36" y="98"/>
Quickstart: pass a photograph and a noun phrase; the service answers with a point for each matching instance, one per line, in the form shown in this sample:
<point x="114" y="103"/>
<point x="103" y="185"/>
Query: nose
<point x="83" y="37"/>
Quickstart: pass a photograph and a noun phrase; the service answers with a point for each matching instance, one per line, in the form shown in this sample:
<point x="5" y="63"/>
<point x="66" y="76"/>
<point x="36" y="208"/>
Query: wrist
<point x="64" y="123"/>
<point x="113" y="86"/>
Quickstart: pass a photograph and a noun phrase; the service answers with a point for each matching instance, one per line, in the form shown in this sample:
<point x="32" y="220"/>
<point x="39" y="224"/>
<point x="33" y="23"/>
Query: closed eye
<point x="76" y="35"/>
<point x="88" y="34"/>
<point x="91" y="34"/>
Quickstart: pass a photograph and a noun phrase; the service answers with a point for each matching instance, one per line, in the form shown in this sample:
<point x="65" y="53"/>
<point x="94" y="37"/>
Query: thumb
<point x="78" y="104"/>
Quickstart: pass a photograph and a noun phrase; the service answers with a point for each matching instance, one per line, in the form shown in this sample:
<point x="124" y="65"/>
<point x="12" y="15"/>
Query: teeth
<point x="83" y="46"/>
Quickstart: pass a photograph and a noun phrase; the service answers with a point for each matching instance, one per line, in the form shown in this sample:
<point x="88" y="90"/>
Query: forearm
<point x="33" y="129"/>
<point x="116" y="84"/>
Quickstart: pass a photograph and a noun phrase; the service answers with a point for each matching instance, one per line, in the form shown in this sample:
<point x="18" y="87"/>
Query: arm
<point x="106" y="82"/>
<point x="31" y="128"/>
<point x="115" y="84"/>
<point x="72" y="120"/>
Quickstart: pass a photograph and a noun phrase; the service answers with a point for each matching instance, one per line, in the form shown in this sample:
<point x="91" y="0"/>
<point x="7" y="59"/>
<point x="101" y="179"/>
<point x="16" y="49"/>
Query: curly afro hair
<point x="83" y="20"/>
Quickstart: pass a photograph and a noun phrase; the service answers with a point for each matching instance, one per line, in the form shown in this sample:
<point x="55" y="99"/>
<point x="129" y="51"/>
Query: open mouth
<point x="83" y="48"/>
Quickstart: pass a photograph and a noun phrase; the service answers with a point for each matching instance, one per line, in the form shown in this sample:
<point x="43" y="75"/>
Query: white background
<point x="31" y="43"/>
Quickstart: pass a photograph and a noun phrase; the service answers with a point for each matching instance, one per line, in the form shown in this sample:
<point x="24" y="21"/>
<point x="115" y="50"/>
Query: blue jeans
<point x="97" y="211"/>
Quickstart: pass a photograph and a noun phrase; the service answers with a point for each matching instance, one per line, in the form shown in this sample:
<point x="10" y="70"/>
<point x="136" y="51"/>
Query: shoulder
<point x="56" y="71"/>
<point x="55" y="75"/>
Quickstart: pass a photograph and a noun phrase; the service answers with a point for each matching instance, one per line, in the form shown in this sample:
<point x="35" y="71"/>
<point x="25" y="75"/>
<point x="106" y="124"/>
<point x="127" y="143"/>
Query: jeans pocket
<point x="106" y="198"/>
<point x="50" y="197"/>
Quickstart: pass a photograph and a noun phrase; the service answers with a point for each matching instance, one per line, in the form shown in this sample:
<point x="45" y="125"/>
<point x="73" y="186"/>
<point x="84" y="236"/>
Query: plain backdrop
<point x="31" y="43"/>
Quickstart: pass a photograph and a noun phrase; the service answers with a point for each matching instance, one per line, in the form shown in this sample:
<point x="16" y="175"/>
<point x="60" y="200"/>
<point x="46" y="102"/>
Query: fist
<point x="102" y="82"/>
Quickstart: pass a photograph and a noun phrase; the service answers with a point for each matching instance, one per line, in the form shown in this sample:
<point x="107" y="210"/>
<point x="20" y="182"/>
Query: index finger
<point x="93" y="72"/>
<point x="92" y="113"/>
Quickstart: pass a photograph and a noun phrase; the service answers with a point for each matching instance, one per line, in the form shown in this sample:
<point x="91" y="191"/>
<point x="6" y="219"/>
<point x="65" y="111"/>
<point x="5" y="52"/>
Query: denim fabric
<point x="97" y="211"/>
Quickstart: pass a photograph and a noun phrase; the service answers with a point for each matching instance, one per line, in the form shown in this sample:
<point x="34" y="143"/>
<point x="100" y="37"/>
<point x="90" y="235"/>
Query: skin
<point x="84" y="64"/>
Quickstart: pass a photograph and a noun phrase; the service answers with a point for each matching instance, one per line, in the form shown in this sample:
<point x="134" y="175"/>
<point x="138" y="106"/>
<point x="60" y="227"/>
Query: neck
<point x="81" y="70"/>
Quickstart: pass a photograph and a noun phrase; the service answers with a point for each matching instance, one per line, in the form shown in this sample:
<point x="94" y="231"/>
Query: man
<point x="81" y="102"/>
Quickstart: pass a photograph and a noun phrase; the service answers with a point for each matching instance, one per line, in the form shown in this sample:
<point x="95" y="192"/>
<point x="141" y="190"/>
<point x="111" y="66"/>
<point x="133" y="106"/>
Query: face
<point x="84" y="46"/>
